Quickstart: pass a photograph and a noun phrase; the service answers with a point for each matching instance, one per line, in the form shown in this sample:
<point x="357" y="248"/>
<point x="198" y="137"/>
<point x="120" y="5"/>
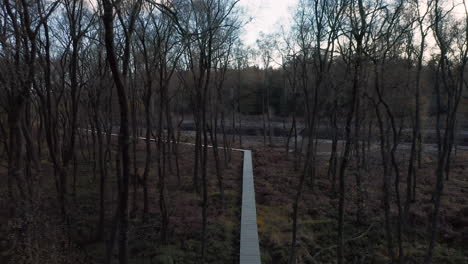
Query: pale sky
<point x="267" y="16"/>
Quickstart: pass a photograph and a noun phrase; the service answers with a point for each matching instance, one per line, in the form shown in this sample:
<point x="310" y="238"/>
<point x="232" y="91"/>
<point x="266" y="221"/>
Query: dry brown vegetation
<point x="40" y="236"/>
<point x="275" y="184"/>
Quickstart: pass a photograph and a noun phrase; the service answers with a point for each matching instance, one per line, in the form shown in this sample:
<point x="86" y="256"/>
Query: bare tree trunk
<point x="263" y="117"/>
<point x="124" y="137"/>
<point x="453" y="87"/>
<point x="197" y="156"/>
<point x="204" y="184"/>
<point x="386" y="184"/>
<point x="268" y="115"/>
<point x="148" y="152"/>
<point x="135" y="175"/>
<point x="219" y="175"/>
<point x="346" y="151"/>
<point x="292" y="252"/>
<point x="333" y="162"/>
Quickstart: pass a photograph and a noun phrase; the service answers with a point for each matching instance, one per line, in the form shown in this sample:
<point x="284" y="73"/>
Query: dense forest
<point x="121" y="123"/>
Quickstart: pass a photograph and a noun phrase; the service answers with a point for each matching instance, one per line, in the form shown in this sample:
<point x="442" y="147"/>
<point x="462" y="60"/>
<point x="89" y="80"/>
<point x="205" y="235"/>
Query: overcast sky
<point x="266" y="16"/>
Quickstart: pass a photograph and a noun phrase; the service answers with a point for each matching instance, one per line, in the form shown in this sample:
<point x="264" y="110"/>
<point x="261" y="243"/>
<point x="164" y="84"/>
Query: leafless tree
<point x="452" y="40"/>
<point x="317" y="32"/>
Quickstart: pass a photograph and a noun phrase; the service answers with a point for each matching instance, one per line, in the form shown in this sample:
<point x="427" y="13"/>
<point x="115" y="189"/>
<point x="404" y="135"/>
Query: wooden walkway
<point x="249" y="245"/>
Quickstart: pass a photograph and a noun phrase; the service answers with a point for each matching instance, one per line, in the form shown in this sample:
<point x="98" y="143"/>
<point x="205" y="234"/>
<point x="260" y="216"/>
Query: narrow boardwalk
<point x="249" y="246"/>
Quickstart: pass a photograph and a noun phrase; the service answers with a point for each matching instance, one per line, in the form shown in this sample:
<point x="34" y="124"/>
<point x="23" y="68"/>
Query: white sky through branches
<point x="267" y="17"/>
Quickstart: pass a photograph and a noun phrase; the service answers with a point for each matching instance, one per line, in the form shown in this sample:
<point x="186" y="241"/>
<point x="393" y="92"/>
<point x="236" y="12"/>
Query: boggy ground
<point x="39" y="235"/>
<point x="276" y="183"/>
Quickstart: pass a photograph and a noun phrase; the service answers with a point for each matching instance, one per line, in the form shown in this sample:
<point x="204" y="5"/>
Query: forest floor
<point x="276" y="183"/>
<point x="39" y="235"/>
<point x="42" y="237"/>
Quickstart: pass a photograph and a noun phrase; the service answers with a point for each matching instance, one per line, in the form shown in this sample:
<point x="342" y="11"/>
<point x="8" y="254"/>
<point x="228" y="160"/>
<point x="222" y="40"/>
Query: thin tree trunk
<point x="108" y="20"/>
